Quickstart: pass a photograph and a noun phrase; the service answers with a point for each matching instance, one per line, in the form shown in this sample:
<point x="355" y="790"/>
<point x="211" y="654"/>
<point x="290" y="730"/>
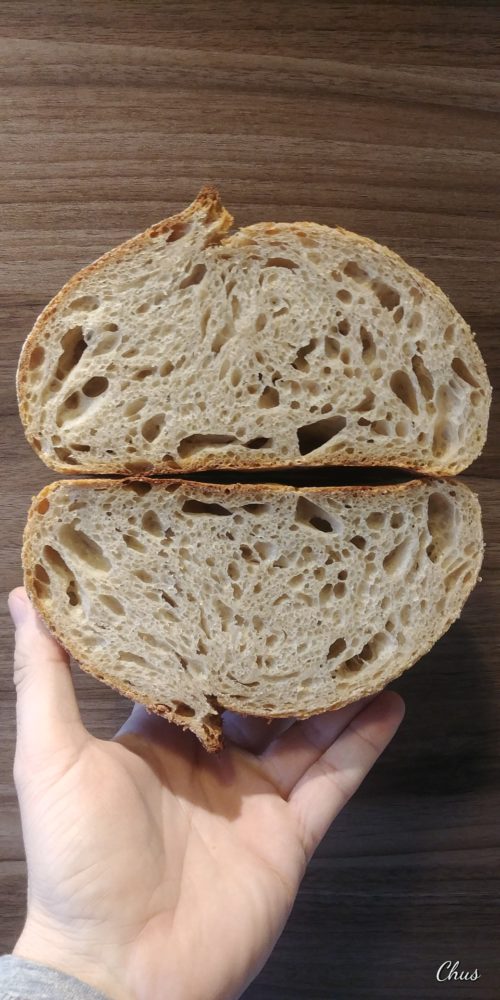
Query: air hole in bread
<point x="314" y="516"/>
<point x="265" y="550"/>
<point x="194" y="277"/>
<point x="423" y="377"/>
<point x="444" y="439"/>
<point x="151" y="523"/>
<point x="83" y="547"/>
<point x="397" y="520"/>
<point x="201" y="507"/>
<point x="359" y="542"/>
<point x="36" y="358"/>
<point x="449" y="334"/>
<point x="65" y="456"/>
<point x="132" y="542"/>
<point x="332" y="347"/>
<point x="258" y="443"/>
<point x="43" y="506"/>
<point x="387" y="296"/>
<point x="326" y="593"/>
<point x="143" y="373"/>
<point x="463" y="372"/>
<point x="290" y="265"/>
<point x="112" y="603"/>
<point x="398" y="314"/>
<point x="95" y="386"/>
<point x="256" y="508"/>
<point x="197" y="442"/>
<point x="344" y="295"/>
<point x="221" y="338"/>
<point x="269" y="398"/>
<point x="300" y="363"/>
<point x="368" y="349"/>
<point x="365" y="405"/>
<point x="127" y="657"/>
<point x="152" y="427"/>
<point x="134" y="406"/>
<point x="85" y="303"/>
<point x="397" y="561"/>
<point x="402" y="387"/>
<point x="73" y="346"/>
<point x="106" y="343"/>
<point x="139" y="488"/>
<point x="354" y="271"/>
<point x="314" y="435"/>
<point x="336" y="649"/>
<point x="441" y="525"/>
<point x="176" y="231"/>
<point x="344" y="327"/>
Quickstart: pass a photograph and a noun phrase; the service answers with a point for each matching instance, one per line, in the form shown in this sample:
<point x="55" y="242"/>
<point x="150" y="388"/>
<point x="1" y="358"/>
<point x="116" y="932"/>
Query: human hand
<point x="157" y="870"/>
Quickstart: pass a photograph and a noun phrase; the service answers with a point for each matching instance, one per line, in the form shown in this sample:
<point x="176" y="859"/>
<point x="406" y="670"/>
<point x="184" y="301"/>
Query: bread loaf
<point x="279" y="345"/>
<point x="264" y="599"/>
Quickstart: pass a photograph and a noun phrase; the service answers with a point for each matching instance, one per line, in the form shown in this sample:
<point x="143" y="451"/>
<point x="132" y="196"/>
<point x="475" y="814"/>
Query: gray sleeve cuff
<point x="24" y="980"/>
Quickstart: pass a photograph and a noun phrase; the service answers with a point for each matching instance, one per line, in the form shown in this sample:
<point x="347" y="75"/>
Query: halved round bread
<point x="279" y="345"/>
<point x="265" y="599"/>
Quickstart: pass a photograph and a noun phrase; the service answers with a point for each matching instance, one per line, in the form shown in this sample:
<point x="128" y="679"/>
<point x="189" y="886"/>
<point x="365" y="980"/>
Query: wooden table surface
<point x="380" y="117"/>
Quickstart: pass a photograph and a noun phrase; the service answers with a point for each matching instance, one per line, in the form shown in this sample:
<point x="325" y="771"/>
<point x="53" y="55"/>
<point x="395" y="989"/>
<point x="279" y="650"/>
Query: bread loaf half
<point x="279" y="345"/>
<point x="265" y="599"/>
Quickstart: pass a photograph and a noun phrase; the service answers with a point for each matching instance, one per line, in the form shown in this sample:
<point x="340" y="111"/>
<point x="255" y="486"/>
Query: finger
<point x="146" y="725"/>
<point x="252" y="734"/>
<point x="331" y="781"/>
<point x="47" y="710"/>
<point x="287" y="758"/>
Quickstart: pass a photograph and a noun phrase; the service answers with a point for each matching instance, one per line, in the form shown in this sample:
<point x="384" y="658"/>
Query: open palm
<point x="155" y="869"/>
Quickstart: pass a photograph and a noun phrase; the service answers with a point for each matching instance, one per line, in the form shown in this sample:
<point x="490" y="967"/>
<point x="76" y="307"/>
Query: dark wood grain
<point x="381" y="117"/>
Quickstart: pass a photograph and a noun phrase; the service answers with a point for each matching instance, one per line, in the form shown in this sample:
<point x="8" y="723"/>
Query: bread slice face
<point x="264" y="599"/>
<point x="280" y="345"/>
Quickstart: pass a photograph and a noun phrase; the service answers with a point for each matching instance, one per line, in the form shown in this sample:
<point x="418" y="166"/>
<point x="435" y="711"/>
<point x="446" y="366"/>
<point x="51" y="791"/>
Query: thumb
<point x="48" y="717"/>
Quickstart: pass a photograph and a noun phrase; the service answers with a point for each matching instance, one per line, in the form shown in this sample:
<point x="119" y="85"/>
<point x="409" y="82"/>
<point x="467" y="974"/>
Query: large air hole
<point x="336" y="649"/>
<point x="85" y="303"/>
<point x="257" y="508"/>
<point x="314" y="435"/>
<point x="445" y="438"/>
<point x="387" y="296"/>
<point x="152" y="427"/>
<point x="73" y="344"/>
<point x="112" y="603"/>
<point x="354" y="271"/>
<point x="133" y="543"/>
<point x="36" y="358"/>
<point x="309" y="513"/>
<point x="151" y="523"/>
<point x="463" y="372"/>
<point x="402" y="387"/>
<point x="198" y="442"/>
<point x="258" y="442"/>
<point x="368" y="349"/>
<point x="95" y="386"/>
<point x="300" y="363"/>
<point x="423" y="377"/>
<point x="84" y="547"/>
<point x="290" y="265"/>
<point x="54" y="559"/>
<point x="269" y="398"/>
<point x="441" y="525"/>
<point x="397" y="562"/>
<point x="194" y="277"/>
<point x="201" y="507"/>
<point x="134" y="406"/>
<point x="332" y="347"/>
<point x="221" y="338"/>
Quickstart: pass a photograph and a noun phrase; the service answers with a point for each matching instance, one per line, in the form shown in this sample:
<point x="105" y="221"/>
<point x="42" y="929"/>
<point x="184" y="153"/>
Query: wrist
<point x="68" y="954"/>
